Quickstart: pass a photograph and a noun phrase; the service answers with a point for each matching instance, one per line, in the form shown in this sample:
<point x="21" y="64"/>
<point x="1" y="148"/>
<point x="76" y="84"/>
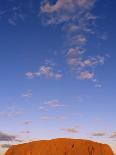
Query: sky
<point x="57" y="70"/>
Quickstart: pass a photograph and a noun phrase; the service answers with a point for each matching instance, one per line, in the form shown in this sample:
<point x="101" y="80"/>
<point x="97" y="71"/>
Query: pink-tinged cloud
<point x="45" y="71"/>
<point x="65" y="10"/>
<point x="67" y="6"/>
<point x="29" y="75"/>
<point x="86" y="75"/>
<point x="78" y="40"/>
<point x="78" y="21"/>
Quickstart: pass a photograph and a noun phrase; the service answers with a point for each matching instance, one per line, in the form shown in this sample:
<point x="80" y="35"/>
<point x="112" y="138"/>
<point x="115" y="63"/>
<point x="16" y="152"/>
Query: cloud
<point x="46" y="71"/>
<point x="28" y="122"/>
<point x="77" y="22"/>
<point x="73" y="27"/>
<point x="64" y="11"/>
<point x="98" y="85"/>
<point x="7" y="137"/>
<point x="70" y="130"/>
<point x="47" y="118"/>
<point x="16" y="11"/>
<point x="86" y="75"/>
<point x="58" y="76"/>
<point x="30" y="75"/>
<point x="80" y="65"/>
<point x="54" y="104"/>
<point x="98" y="134"/>
<point x="113" y="136"/>
<point x="11" y="113"/>
<point x="26" y="132"/>
<point x="28" y="94"/>
<point x="69" y="5"/>
<point x="78" y="40"/>
<point x="43" y="108"/>
<point x="76" y="53"/>
<point x="12" y="14"/>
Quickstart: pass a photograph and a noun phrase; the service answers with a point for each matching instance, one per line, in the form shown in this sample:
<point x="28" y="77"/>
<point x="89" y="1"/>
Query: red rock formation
<point x="60" y="147"/>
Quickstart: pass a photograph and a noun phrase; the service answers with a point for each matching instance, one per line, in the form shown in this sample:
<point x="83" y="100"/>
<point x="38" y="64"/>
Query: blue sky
<point x="57" y="64"/>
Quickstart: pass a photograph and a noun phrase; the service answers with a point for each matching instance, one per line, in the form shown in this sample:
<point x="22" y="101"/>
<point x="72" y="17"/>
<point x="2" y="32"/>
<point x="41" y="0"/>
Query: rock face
<point x="60" y="147"/>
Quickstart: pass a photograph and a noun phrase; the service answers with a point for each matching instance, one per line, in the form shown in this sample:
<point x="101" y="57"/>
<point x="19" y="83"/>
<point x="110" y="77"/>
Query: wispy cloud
<point x="54" y="104"/>
<point x="98" y="85"/>
<point x="28" y="122"/>
<point x="26" y="132"/>
<point x="47" y="118"/>
<point x="27" y="94"/>
<point x="113" y="135"/>
<point x="98" y="134"/>
<point x="12" y="14"/>
<point x="70" y="130"/>
<point x="11" y="112"/>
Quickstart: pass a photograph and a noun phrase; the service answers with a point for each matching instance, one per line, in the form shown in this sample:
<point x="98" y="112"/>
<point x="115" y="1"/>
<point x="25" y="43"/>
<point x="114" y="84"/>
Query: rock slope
<point x="60" y="147"/>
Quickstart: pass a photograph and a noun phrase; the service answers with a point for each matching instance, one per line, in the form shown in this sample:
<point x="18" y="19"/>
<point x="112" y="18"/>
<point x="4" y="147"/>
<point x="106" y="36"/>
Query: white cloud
<point x="43" y="108"/>
<point x="54" y="104"/>
<point x="58" y="76"/>
<point x="98" y="85"/>
<point x="28" y="94"/>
